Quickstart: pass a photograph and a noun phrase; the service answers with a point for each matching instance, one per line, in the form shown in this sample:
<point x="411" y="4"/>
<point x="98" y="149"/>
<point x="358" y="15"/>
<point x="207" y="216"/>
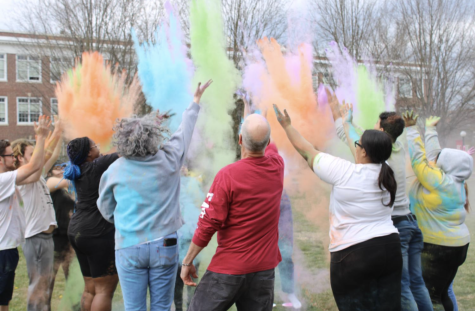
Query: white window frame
<point x="29" y="122"/>
<point x="28" y="60"/>
<point x="6" y="111"/>
<point x="5" y="77"/>
<point x="51" y="107"/>
<point x="62" y="61"/>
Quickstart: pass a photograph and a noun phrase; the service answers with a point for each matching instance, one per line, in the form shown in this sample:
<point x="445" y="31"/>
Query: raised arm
<point x="306" y="150"/>
<point x="351" y="133"/>
<point x="432" y="138"/>
<point x="35" y="166"/>
<point x="53" y="145"/>
<point x="177" y="146"/>
<point x="429" y="176"/>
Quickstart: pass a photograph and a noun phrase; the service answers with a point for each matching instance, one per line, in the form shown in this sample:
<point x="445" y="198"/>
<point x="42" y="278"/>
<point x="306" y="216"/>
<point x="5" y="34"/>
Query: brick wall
<point x="13" y="89"/>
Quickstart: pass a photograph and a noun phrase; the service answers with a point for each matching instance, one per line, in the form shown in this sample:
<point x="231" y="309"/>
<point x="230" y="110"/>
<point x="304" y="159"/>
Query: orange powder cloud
<point x="91" y="98"/>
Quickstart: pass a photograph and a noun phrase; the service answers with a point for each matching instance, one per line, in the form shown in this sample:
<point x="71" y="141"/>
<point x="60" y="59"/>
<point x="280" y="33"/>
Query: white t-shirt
<point x="357" y="213"/>
<point x="38" y="206"/>
<point x="12" y="218"/>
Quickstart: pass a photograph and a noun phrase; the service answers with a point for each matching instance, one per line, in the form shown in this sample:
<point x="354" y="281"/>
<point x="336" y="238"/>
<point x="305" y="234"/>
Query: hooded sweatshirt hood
<point x="456" y="163"/>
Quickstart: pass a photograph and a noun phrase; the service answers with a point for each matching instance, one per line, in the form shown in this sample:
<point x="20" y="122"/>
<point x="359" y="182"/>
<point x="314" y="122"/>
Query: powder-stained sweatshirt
<point x="397" y="162"/>
<point x="438" y="195"/>
<point x="140" y="195"/>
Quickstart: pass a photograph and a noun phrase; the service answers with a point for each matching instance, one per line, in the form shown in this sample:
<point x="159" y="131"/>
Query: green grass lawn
<point x="311" y="272"/>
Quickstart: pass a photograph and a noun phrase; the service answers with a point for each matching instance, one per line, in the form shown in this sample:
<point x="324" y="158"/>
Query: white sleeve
<point x="331" y="169"/>
<point x="7" y="184"/>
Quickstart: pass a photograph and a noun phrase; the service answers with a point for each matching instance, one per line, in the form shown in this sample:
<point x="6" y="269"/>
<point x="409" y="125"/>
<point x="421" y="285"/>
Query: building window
<point x="58" y="66"/>
<point x="28" y="68"/>
<point x="3" y="110"/>
<point x="28" y="109"/>
<point x="405" y="87"/>
<point x="3" y="67"/>
<point x="54" y="107"/>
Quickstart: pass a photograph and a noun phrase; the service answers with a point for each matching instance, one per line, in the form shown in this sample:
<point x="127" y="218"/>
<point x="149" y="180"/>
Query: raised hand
<point x="432" y="121"/>
<point x="284" y="119"/>
<point x="334" y="104"/>
<point x="346" y="111"/>
<point x="469" y="151"/>
<point x="409" y="118"/>
<point x="42" y="127"/>
<point x="58" y="124"/>
<point x="200" y="90"/>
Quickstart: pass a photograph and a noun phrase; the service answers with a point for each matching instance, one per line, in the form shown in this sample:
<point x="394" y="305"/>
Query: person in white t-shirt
<point x="40" y="220"/>
<point x="366" y="259"/>
<point x="12" y="218"/>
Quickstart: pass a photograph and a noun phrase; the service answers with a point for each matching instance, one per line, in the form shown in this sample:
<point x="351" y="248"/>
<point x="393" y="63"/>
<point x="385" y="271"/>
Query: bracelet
<point x="186" y="265"/>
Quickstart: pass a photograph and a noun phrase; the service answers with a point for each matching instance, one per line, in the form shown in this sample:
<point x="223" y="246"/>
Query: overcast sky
<point x="5" y="14"/>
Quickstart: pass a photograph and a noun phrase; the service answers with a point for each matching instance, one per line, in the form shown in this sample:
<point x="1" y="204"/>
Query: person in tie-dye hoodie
<point x="438" y="198"/>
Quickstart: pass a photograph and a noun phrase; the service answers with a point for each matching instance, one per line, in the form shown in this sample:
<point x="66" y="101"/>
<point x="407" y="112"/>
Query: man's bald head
<point x="255" y="133"/>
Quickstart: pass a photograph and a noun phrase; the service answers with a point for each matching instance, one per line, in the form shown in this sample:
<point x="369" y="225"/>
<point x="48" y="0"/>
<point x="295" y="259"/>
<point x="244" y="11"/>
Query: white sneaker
<point x="296" y="304"/>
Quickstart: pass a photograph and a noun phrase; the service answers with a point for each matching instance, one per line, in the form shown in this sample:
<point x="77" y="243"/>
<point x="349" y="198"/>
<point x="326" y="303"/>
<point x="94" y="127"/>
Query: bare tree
<point x="61" y="30"/>
<point x="440" y="42"/>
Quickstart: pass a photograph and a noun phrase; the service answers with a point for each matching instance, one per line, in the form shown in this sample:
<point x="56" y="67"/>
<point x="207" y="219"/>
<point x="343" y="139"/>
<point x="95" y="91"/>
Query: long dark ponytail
<point x="378" y="146"/>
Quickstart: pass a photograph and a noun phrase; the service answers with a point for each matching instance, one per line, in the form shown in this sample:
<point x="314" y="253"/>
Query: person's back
<point x="439" y="205"/>
<point x="243" y="206"/>
<point x="397" y="162"/>
<point x="248" y="231"/>
<point x="87" y="220"/>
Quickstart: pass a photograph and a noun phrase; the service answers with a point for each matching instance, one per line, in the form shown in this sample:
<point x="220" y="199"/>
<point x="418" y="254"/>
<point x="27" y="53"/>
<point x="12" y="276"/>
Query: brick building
<point x="26" y="86"/>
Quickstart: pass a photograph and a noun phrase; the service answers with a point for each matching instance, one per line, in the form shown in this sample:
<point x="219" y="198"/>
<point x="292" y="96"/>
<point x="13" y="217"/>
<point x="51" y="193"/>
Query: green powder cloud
<point x="208" y="50"/>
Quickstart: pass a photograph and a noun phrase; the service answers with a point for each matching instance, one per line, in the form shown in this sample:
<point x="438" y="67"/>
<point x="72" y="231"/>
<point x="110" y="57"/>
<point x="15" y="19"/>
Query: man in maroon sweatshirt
<point x="243" y="206"/>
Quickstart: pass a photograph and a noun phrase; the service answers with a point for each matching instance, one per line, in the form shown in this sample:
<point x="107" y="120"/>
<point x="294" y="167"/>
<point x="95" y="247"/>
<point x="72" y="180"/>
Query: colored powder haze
<point x="213" y="146"/>
<point x="91" y="99"/>
<point x="164" y="69"/>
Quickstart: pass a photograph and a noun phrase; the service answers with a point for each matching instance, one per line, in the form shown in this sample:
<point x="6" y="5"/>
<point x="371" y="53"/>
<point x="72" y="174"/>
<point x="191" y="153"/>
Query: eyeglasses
<point x="358" y="144"/>
<point x="60" y="166"/>
<point x="7" y="155"/>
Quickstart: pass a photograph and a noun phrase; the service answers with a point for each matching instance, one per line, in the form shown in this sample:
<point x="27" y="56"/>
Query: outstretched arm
<point x="32" y="171"/>
<point x="432" y="138"/>
<point x="350" y="131"/>
<point x="53" y="145"/>
<point x="177" y="146"/>
<point x="430" y="177"/>
<point x="306" y="150"/>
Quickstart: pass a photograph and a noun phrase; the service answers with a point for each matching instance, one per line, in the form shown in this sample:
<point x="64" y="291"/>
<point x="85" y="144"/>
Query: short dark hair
<point x="3" y="146"/>
<point x="392" y="123"/>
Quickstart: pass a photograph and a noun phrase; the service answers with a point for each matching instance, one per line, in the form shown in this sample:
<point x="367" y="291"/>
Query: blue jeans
<point x="415" y="295"/>
<point x="148" y="265"/>
<point x="452" y="296"/>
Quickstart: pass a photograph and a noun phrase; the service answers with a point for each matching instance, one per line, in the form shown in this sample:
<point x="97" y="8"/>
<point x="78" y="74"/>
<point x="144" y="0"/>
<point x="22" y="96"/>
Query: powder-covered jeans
<point x="150" y="265"/>
<point x="415" y="295"/>
<point x="39" y="257"/>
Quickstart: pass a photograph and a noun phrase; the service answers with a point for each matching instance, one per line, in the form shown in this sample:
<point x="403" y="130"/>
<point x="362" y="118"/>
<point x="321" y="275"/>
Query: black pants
<point x="178" y="299"/>
<point x="439" y="267"/>
<point x="250" y="292"/>
<point x="367" y="276"/>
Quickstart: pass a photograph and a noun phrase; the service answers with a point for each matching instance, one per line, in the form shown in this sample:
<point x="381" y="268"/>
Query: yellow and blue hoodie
<point x="438" y="195"/>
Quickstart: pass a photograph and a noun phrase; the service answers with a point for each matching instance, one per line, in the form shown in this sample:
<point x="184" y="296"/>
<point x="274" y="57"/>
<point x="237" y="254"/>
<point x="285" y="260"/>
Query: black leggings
<point x="439" y="267"/>
<point x="367" y="276"/>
